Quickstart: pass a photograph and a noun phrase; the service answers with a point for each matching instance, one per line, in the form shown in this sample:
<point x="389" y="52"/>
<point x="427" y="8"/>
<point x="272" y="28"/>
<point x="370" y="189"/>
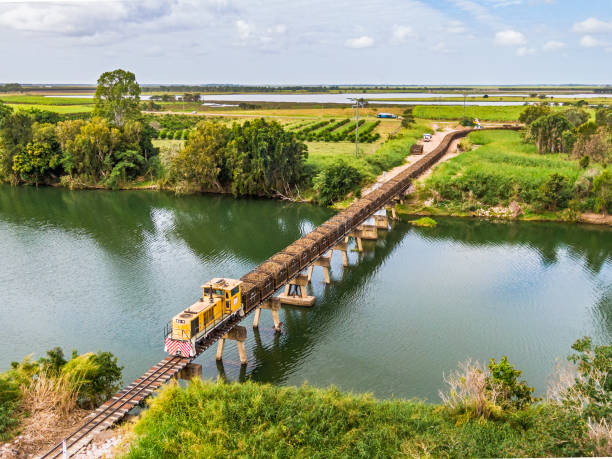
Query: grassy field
<point x="456" y="112"/>
<point x="207" y="420"/>
<point x="63" y="109"/>
<point x="503" y="168"/>
<point x="43" y="100"/>
<point x="494" y="98"/>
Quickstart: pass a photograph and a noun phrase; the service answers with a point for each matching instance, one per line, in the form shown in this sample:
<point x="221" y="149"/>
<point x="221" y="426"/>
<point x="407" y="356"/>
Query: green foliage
<point x="584" y="161"/>
<point x="532" y="112"/>
<point x="594" y="384"/>
<point x="15" y="134"/>
<point x="252" y="420"/>
<point x="424" y="222"/>
<point x="547" y="132"/>
<point x="576" y="116"/>
<point x="5" y="111"/>
<point x="555" y="191"/>
<point x="95" y="376"/>
<point x="502" y="169"/>
<point x="9" y="401"/>
<point x="514" y="393"/>
<point x="335" y="181"/>
<point x="468" y="122"/>
<point x="117" y="97"/>
<point x="602" y="188"/>
<point x="254" y="158"/>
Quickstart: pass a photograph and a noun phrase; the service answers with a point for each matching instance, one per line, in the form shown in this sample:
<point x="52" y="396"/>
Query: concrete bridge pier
<point x="191" y="370"/>
<point x="369" y="232"/>
<point x="274" y="305"/>
<point x="355" y="234"/>
<point x="324" y="261"/>
<point x="341" y="247"/>
<point x="238" y="334"/>
<point x="382" y="222"/>
<point x="295" y="292"/>
<point x="393" y="211"/>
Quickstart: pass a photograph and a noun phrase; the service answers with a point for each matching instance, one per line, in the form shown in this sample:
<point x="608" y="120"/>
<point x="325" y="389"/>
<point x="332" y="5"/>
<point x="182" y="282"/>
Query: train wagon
<point x="221" y="300"/>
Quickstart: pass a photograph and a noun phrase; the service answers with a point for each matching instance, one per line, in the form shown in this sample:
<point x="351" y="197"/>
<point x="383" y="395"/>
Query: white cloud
<point x="588" y="41"/>
<point x="360" y="42"/>
<point x="510" y="38"/>
<point x="401" y="34"/>
<point x="592" y="25"/>
<point x="244" y="29"/>
<point x="524" y="51"/>
<point x="440" y="48"/>
<point x="456" y="27"/>
<point x="553" y="45"/>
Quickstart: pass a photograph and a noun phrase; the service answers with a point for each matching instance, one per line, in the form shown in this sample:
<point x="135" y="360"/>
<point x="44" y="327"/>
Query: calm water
<point x="105" y="271"/>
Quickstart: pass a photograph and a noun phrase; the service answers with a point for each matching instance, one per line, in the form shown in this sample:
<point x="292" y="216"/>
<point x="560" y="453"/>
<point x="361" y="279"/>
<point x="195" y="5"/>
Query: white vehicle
<point x="427" y="137"/>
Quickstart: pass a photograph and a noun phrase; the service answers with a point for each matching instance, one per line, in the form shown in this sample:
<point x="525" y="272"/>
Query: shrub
<point x="335" y="181"/>
<point x="602" y="187"/>
<point x="555" y="192"/>
<point x="584" y="161"/>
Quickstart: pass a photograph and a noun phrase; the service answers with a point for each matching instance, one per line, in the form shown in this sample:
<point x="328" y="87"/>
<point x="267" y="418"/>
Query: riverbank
<point x="497" y="175"/>
<point x="251" y="420"/>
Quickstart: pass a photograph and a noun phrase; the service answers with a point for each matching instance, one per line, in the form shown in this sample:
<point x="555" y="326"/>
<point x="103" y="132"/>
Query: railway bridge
<point x="285" y="270"/>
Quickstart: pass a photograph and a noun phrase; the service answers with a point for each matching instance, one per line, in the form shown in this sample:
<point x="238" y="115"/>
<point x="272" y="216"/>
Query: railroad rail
<point x="260" y="285"/>
<point x="119" y="405"/>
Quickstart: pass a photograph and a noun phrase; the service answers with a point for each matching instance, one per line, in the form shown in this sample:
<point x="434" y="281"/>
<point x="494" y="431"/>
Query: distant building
<point x="386" y="115"/>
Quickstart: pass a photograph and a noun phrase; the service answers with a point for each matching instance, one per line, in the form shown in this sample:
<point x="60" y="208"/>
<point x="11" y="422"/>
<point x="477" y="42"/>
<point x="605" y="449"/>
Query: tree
<point x="335" y="181"/>
<point x="602" y="188"/>
<point x="5" y="111"/>
<point x="547" y="131"/>
<point x="533" y="112"/>
<point x="555" y="191"/>
<point x="117" y="97"/>
<point x="264" y="158"/>
<point x="576" y="116"/>
<point x="203" y="159"/>
<point x="597" y="145"/>
<point x="15" y="134"/>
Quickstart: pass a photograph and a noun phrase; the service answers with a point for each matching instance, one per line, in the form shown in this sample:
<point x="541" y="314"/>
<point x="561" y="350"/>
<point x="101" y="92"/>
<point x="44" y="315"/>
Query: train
<point x="224" y="298"/>
<point x="221" y="301"/>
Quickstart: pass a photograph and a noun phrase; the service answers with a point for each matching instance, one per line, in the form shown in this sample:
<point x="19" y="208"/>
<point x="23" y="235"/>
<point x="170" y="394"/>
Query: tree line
<point x="254" y="158"/>
<point x="111" y="147"/>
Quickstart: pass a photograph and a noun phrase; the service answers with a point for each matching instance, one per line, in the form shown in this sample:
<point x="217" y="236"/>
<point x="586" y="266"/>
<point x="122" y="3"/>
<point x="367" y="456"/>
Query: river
<point x="95" y="270"/>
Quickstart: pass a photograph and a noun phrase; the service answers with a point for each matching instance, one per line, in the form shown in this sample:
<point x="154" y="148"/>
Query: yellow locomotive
<point x="221" y="299"/>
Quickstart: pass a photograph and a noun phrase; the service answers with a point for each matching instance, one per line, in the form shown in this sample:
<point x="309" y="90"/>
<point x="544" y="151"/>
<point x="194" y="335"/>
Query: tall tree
<point x="547" y="131"/>
<point x="117" y="97"/>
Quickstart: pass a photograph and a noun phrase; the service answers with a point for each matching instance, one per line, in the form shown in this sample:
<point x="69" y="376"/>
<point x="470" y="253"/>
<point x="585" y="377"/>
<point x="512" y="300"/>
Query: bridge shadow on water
<point x="273" y="356"/>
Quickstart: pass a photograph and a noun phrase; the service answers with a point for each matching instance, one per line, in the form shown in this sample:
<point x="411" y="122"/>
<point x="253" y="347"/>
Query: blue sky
<point x="309" y="42"/>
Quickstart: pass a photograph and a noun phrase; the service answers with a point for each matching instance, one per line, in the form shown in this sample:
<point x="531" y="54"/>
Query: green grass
<point x="63" y="109"/>
<point x="42" y="100"/>
<point x="503" y="168"/>
<point x="207" y="420"/>
<point x="455" y="112"/>
<point x="372" y="160"/>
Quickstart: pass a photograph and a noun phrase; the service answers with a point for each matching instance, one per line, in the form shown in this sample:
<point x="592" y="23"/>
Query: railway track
<point x="119" y="405"/>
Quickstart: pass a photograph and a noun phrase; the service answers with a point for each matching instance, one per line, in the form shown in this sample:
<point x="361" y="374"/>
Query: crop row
<point x="337" y="131"/>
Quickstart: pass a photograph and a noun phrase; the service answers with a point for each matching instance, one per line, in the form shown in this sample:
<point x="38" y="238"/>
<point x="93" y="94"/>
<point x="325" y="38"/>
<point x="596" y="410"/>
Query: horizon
<point x="511" y="42"/>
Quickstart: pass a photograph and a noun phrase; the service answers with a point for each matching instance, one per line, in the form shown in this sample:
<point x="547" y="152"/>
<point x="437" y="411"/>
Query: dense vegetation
<point x="559" y="163"/>
<point x="486" y="412"/>
<point x="254" y="158"/>
<point x="114" y="146"/>
<point x="55" y="385"/>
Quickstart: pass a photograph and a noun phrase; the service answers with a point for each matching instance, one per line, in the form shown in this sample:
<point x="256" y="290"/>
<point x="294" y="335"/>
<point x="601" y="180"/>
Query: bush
<point x="335" y="181"/>
<point x="555" y="192"/>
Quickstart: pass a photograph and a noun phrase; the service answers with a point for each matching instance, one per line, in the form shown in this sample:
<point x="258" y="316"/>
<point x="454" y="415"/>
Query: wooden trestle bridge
<point x="283" y="270"/>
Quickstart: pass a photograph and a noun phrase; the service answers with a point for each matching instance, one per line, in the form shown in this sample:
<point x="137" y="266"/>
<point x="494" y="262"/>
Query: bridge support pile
<point x="238" y="334"/>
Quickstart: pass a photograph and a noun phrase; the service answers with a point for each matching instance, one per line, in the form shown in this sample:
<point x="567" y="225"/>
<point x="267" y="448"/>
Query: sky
<point x="308" y="42"/>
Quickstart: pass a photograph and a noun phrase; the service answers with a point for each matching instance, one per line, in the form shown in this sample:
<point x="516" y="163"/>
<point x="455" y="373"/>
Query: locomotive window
<point x="235" y="291"/>
<point x="206" y="291"/>
<point x="219" y="292"/>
